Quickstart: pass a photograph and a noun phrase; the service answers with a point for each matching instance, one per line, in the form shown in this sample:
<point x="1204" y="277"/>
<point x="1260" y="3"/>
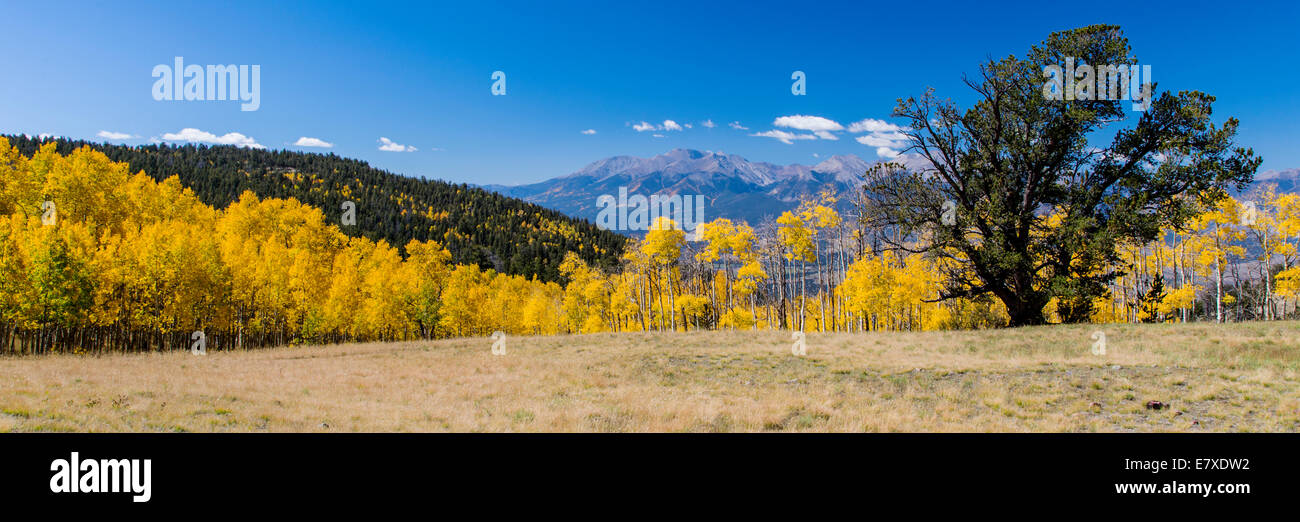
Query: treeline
<point x="1235" y="261"/>
<point x="475" y="225"/>
<point x="94" y="258"/>
<point x="818" y="268"/>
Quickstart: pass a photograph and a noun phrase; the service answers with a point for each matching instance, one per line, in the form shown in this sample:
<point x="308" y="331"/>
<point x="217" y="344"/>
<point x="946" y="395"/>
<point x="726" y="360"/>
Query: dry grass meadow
<point x="1236" y="377"/>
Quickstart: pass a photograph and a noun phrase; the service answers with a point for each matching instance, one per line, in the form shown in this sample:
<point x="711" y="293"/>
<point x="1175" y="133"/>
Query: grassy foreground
<point x="1236" y="377"/>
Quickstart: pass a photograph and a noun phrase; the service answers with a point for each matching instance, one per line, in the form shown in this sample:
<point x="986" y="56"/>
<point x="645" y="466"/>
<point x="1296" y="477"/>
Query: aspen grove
<point x="94" y="258"/>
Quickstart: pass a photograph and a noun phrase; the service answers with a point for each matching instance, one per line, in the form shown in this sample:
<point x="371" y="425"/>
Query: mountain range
<point x="733" y="186"/>
<point x="1287" y="180"/>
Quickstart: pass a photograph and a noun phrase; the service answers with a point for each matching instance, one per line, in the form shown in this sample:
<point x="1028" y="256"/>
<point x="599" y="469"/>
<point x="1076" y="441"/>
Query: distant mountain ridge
<point x="735" y="187"/>
<point x="1287" y="180"/>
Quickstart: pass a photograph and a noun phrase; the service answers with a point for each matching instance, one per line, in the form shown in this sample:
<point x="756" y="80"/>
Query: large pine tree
<point x="1018" y="156"/>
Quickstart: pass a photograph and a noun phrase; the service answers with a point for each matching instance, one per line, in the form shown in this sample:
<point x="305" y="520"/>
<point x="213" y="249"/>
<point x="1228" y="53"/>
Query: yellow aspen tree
<point x="794" y="234"/>
<point x="663" y="246"/>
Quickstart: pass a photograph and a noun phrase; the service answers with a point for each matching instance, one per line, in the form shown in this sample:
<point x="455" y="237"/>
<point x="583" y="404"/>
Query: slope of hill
<point x="734" y="187"/>
<point x="476" y="225"/>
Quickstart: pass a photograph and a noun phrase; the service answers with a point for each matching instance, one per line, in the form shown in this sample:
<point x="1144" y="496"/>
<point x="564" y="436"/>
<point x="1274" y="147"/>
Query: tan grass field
<point x="1236" y="377"/>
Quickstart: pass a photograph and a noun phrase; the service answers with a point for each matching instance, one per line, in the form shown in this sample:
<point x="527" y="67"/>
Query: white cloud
<point x="192" y="135"/>
<point x="668" y="125"/>
<point x="873" y="125"/>
<point x="658" y="135"/>
<point x="872" y="140"/>
<point x="589" y="132"/>
<point x="313" y="142"/>
<point x="388" y="145"/>
<point x="110" y="135"/>
<point x="708" y="124"/>
<point x="783" y="136"/>
<point x="808" y="123"/>
<point x="736" y="125"/>
<point x="888" y="139"/>
<point x="821" y="128"/>
<point x="46" y="135"/>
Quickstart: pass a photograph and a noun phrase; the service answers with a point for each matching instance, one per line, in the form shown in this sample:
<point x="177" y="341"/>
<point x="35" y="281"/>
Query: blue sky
<point x="420" y="75"/>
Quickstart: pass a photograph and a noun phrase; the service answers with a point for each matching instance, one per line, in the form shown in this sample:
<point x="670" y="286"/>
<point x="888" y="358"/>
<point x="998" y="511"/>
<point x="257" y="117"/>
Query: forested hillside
<point x="95" y="258"/>
<point x="476" y="226"/>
